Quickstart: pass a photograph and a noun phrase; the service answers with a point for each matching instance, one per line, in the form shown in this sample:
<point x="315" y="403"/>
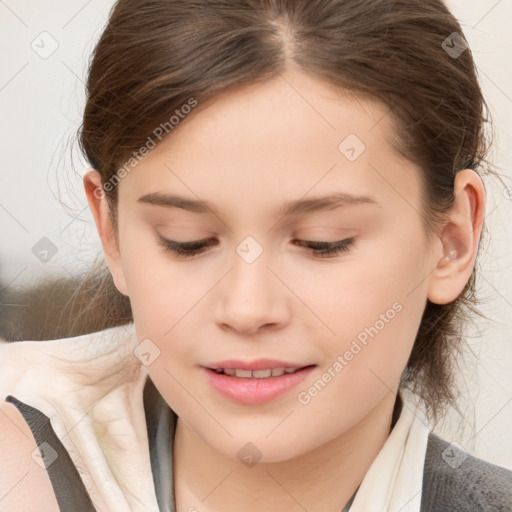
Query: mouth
<point x="253" y="387"/>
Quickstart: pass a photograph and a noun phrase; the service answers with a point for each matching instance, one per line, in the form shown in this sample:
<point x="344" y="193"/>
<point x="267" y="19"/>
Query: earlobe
<point x="100" y="211"/>
<point x="460" y="236"/>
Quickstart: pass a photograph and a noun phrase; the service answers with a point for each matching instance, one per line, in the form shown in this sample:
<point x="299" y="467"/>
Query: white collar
<point x="394" y="481"/>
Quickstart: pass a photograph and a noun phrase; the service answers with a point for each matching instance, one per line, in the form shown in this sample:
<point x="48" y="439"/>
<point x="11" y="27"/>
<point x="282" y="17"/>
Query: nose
<point x="251" y="298"/>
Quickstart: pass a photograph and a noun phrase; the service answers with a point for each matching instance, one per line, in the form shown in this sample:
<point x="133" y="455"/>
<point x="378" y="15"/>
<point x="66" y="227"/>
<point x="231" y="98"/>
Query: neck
<point x="323" y="479"/>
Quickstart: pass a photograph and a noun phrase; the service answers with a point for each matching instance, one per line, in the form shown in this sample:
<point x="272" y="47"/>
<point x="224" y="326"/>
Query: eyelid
<point x="188" y="245"/>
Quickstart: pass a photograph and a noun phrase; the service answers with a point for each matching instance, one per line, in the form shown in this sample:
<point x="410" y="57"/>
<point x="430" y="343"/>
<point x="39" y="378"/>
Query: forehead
<point x="291" y="136"/>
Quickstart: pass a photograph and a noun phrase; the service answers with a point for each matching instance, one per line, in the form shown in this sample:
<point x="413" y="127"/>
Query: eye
<point x="326" y="249"/>
<point x="319" y="249"/>
<point x="186" y="249"/>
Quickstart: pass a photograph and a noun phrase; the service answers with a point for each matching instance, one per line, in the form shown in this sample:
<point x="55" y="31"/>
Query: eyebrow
<point x="294" y="207"/>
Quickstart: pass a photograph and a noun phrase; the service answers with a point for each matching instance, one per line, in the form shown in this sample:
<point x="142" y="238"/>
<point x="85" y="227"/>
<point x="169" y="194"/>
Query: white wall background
<point x="41" y="98"/>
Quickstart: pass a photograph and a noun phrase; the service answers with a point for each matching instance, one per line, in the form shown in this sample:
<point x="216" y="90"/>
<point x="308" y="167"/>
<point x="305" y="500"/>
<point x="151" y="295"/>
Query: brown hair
<point x="155" y="55"/>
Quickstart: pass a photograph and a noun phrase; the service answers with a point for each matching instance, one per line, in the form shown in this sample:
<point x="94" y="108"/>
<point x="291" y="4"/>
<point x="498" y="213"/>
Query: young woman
<point x="289" y="202"/>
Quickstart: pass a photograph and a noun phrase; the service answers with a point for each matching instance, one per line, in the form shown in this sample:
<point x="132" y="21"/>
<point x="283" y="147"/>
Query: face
<point x="261" y="287"/>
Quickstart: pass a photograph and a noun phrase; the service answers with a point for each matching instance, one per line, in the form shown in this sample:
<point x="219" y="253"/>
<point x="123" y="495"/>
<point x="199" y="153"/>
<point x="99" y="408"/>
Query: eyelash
<point x="319" y="249"/>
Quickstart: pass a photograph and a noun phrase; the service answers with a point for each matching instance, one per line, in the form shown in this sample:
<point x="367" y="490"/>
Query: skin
<point x="247" y="152"/>
<point x="20" y="475"/>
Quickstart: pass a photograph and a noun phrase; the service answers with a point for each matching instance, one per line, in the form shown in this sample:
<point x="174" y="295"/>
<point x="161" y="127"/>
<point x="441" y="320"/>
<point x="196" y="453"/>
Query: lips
<point x="257" y="381"/>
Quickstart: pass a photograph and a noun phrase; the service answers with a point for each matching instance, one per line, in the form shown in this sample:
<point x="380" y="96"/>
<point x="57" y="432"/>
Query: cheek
<point x="165" y="295"/>
<point x="162" y="298"/>
<point x="351" y="294"/>
<point x="373" y="306"/>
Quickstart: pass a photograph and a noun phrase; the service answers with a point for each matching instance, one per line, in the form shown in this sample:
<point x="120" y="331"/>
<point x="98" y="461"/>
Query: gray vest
<point x="452" y="481"/>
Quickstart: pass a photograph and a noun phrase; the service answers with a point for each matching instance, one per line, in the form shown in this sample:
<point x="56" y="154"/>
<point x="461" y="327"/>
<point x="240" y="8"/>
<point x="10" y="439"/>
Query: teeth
<point x="256" y="374"/>
<point x="243" y="373"/>
<point x="262" y="374"/>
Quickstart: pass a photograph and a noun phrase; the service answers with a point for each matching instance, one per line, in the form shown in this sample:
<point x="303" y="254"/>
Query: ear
<point x="100" y="211"/>
<point x="460" y="236"/>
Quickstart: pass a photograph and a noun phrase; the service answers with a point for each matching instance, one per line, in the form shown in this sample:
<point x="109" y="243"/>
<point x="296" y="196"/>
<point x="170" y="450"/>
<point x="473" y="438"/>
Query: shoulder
<point x="23" y="477"/>
<point x="456" y="480"/>
<point x="62" y="485"/>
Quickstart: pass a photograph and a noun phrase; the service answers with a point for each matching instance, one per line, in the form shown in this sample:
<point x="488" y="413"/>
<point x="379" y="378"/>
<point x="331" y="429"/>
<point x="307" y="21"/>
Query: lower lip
<point x="255" y="391"/>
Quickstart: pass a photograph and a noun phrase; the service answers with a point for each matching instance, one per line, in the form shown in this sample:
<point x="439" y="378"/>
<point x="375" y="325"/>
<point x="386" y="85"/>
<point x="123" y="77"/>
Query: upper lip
<point x="257" y="364"/>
